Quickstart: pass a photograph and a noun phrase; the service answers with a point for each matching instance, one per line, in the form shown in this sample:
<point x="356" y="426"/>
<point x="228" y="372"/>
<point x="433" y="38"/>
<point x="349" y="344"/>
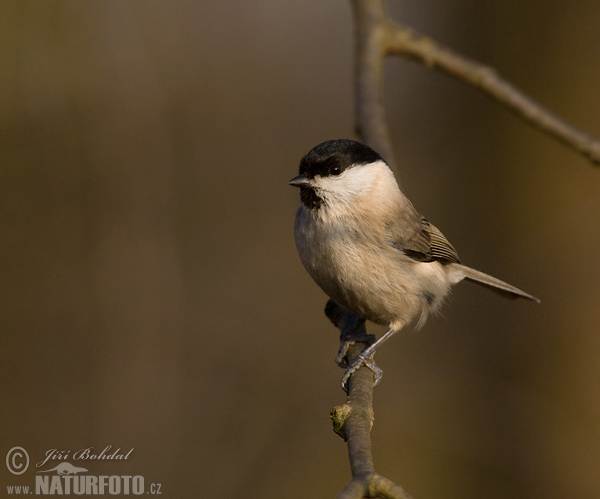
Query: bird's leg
<point x="366" y="359"/>
<point x="352" y="327"/>
<point x="352" y="333"/>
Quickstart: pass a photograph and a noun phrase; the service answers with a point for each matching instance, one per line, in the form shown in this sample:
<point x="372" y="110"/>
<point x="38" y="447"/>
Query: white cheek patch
<point x="353" y="182"/>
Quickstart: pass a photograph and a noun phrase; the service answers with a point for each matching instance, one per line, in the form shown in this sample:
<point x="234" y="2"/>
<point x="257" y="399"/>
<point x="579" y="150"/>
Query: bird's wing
<point x="427" y="244"/>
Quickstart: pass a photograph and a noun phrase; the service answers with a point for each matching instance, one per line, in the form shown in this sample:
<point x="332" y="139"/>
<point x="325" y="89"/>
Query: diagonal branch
<point x="406" y="42"/>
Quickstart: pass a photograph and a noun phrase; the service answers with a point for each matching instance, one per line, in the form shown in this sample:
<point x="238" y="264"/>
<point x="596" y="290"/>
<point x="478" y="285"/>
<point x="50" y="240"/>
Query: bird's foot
<point x="364" y="359"/>
<point x="347" y="341"/>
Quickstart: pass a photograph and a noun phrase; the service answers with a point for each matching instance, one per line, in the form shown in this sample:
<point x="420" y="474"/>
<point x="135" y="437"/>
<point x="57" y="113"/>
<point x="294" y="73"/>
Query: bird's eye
<point x="335" y="169"/>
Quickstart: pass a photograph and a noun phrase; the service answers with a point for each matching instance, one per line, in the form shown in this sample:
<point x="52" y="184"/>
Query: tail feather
<point x="496" y="284"/>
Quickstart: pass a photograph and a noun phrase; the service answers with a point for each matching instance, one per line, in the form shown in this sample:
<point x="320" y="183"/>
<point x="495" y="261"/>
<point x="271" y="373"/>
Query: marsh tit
<point x="366" y="246"/>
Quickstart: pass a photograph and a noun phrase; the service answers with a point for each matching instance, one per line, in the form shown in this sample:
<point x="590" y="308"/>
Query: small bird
<point x="368" y="249"/>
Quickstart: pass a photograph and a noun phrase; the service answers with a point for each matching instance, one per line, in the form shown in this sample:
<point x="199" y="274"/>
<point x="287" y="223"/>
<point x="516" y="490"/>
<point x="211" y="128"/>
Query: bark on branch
<point x="354" y="419"/>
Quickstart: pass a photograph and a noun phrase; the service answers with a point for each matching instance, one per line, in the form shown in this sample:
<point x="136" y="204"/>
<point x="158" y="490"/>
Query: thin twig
<point x="406" y="42"/>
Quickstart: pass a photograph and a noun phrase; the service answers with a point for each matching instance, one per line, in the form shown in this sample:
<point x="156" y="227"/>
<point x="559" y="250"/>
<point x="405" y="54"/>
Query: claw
<point x="340" y="358"/>
<point x="357" y="363"/>
<point x="349" y="339"/>
<point x="366" y="359"/>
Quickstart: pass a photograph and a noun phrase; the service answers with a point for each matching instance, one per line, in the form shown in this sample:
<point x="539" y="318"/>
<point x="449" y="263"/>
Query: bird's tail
<point x="496" y="284"/>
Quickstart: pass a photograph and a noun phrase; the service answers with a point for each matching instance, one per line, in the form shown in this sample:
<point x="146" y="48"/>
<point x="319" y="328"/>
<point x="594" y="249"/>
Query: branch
<point x="379" y="37"/>
<point x="403" y="41"/>
<point x="370" y="25"/>
<point x="354" y="419"/>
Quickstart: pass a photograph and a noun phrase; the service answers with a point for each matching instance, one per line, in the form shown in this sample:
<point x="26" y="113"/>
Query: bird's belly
<point x="373" y="280"/>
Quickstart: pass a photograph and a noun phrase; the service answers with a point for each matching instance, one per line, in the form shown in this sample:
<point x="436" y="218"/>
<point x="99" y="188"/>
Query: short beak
<point x="300" y="181"/>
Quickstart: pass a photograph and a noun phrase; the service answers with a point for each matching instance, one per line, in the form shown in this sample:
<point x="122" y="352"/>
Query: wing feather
<point x="428" y="244"/>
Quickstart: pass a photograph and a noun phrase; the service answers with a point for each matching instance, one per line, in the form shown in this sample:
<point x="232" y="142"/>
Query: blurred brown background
<point x="151" y="293"/>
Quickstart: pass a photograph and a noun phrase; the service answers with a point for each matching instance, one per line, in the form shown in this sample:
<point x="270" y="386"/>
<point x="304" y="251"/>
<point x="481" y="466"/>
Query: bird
<point x="367" y="247"/>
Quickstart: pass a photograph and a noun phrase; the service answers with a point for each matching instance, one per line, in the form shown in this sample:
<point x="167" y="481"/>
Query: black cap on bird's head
<point x="331" y="158"/>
